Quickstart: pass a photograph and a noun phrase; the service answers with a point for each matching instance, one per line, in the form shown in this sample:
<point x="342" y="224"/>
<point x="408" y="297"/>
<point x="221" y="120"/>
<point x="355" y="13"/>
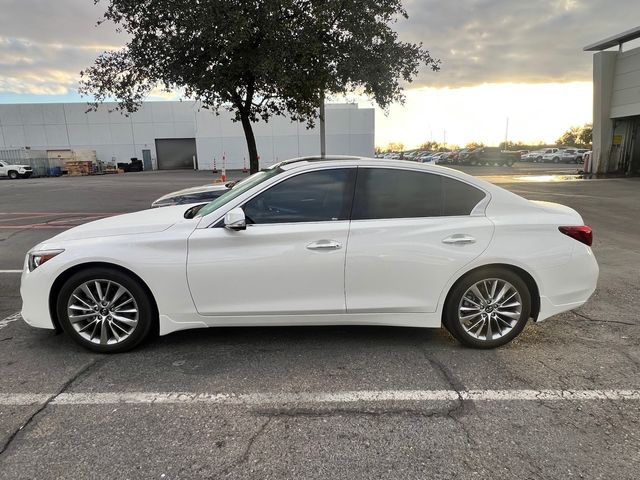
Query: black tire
<point x="146" y="312"/>
<point x="556" y="160"/>
<point x="13" y="175"/>
<point x="454" y="326"/>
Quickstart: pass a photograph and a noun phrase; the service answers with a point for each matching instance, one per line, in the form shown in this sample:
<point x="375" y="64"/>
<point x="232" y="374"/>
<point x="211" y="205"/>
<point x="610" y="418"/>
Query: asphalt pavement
<point x="561" y="401"/>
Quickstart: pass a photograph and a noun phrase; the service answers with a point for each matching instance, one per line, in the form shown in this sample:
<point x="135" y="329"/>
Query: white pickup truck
<point x="14" y="171"/>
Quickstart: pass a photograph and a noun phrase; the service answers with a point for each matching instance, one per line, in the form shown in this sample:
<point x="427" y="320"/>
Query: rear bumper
<point x="569" y="286"/>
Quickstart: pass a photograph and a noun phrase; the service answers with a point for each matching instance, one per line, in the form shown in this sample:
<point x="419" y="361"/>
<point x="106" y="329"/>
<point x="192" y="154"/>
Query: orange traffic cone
<point x="223" y="177"/>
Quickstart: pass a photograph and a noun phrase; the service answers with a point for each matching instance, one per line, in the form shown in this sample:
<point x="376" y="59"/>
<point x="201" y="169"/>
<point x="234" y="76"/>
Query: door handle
<point x="325" y="245"/>
<point x="459" y="239"/>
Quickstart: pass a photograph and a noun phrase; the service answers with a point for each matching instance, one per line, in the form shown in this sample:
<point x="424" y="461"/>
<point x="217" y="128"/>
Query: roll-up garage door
<point x="175" y="153"/>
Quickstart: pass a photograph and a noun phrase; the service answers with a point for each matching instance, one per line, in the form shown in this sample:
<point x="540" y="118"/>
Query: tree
<point x="394" y="147"/>
<point x="577" y="136"/>
<point x="585" y="137"/>
<point x="256" y="58"/>
<point x="472" y="145"/>
<point x="436" y="147"/>
<point x="569" y="138"/>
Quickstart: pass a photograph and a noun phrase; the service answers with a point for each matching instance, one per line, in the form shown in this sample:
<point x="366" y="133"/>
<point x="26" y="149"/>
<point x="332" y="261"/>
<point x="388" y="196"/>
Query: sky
<point x="503" y="61"/>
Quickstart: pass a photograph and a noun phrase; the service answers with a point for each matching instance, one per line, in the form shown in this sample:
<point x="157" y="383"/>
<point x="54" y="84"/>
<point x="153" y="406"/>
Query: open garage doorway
<point x="176" y="153"/>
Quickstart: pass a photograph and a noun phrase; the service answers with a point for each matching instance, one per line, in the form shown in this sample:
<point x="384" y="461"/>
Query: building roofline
<point x="614" y="41"/>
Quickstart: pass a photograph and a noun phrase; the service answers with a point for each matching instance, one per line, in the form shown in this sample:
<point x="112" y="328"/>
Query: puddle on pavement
<point x="533" y="178"/>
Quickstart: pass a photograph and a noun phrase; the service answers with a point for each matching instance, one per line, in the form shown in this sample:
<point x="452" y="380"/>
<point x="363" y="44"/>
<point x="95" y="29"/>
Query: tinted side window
<point x="459" y="198"/>
<point x="388" y="193"/>
<point x="310" y="197"/>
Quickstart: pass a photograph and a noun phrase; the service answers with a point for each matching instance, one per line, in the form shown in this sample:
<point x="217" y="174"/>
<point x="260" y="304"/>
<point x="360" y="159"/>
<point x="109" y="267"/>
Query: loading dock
<point x="176" y="153"/>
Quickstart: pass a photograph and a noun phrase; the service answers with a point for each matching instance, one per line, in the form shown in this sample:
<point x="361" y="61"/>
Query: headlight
<point x="38" y="258"/>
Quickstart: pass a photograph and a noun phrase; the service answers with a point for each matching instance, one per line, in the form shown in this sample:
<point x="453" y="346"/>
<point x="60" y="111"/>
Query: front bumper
<point x="34" y="290"/>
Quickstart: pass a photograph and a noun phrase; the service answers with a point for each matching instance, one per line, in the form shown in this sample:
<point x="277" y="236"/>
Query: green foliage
<point x="256" y="58"/>
<point x="515" y="146"/>
<point x="391" y="147"/>
<point x="471" y="145"/>
<point x="436" y="147"/>
<point x="585" y="138"/>
<point x="577" y="136"/>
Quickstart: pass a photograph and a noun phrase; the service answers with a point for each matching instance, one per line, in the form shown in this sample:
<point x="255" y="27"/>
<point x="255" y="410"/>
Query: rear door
<point x="411" y="231"/>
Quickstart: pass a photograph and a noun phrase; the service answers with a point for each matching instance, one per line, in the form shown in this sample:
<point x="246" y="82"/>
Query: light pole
<point x="323" y="139"/>
<point x="506" y="136"/>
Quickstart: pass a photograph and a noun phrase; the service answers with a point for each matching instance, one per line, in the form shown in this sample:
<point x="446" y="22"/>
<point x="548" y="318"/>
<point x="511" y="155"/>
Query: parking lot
<point x="561" y="401"/>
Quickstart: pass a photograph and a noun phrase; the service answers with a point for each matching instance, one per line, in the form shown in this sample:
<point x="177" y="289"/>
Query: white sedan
<point x="318" y="242"/>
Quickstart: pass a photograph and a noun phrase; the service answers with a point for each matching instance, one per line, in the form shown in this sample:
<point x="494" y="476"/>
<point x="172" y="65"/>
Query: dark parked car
<point x="204" y="194"/>
<point x="490" y="156"/>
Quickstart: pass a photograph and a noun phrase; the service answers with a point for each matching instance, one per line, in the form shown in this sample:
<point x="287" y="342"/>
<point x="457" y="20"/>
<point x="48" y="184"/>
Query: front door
<point x="290" y="259"/>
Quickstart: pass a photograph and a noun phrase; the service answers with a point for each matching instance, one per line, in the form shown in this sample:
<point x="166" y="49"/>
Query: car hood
<point x="145" y="221"/>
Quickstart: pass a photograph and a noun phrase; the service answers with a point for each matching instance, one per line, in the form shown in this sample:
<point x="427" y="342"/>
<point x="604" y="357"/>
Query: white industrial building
<point x="167" y="135"/>
<point x="616" y="105"/>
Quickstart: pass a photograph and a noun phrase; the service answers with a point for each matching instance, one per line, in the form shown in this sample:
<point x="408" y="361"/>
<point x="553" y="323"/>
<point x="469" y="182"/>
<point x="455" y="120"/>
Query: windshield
<point x="238" y="189"/>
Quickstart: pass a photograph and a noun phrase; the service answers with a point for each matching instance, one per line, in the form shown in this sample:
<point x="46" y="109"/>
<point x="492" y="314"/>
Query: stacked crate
<point x="77" y="168"/>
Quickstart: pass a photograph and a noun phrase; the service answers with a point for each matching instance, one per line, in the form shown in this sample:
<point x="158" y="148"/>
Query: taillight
<point x="582" y="233"/>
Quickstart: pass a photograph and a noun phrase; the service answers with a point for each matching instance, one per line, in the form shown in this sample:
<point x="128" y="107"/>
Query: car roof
<point x="303" y="163"/>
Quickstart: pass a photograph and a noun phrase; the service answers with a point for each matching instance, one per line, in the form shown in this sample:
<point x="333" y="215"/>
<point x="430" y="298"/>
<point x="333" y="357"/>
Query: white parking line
<point x="345" y="397"/>
<point x="9" y="319"/>
<point x="10" y="271"/>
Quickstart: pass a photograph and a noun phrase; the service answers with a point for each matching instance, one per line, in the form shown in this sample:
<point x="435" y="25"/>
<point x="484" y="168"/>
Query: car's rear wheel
<point x="105" y="310"/>
<point x="488" y="308"/>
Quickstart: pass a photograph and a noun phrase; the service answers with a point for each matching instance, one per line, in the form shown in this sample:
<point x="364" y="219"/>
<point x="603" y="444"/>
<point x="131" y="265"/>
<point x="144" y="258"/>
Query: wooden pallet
<point x="78" y="168"/>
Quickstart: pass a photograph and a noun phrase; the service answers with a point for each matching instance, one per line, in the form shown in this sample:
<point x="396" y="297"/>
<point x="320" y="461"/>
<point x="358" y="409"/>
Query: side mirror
<point x="235" y="219"/>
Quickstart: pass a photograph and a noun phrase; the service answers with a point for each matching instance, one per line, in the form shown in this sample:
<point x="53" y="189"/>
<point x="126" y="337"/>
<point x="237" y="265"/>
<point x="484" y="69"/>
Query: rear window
<point x="459" y="198"/>
<point x="388" y="193"/>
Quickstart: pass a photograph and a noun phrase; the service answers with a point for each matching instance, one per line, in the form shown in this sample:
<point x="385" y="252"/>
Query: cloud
<point x="486" y="41"/>
<point x="37" y="68"/>
<point x="44" y="44"/>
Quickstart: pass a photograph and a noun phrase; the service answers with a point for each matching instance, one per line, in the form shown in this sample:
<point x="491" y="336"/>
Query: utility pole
<point x="323" y="144"/>
<point x="506" y="136"/>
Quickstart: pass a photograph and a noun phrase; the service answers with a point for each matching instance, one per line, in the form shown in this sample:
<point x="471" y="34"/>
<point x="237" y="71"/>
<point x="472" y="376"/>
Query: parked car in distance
<point x="14" y="171"/>
<point x="202" y="194"/>
<point x="568" y="155"/>
<point x="491" y="156"/>
<point x="531" y="156"/>
<point x="536" y="156"/>
<point x="423" y="156"/>
<point x="580" y="154"/>
<point x="333" y="241"/>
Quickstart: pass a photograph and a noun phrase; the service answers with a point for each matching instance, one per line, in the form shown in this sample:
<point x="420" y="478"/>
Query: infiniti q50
<point x="318" y="242"/>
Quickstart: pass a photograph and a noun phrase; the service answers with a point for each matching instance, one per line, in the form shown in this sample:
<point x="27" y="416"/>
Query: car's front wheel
<point x="105" y="310"/>
<point x="488" y="308"/>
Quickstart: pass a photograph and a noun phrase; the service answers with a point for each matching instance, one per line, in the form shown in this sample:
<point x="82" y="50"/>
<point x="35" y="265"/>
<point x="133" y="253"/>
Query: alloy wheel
<point x="103" y="312"/>
<point x="490" y="309"/>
